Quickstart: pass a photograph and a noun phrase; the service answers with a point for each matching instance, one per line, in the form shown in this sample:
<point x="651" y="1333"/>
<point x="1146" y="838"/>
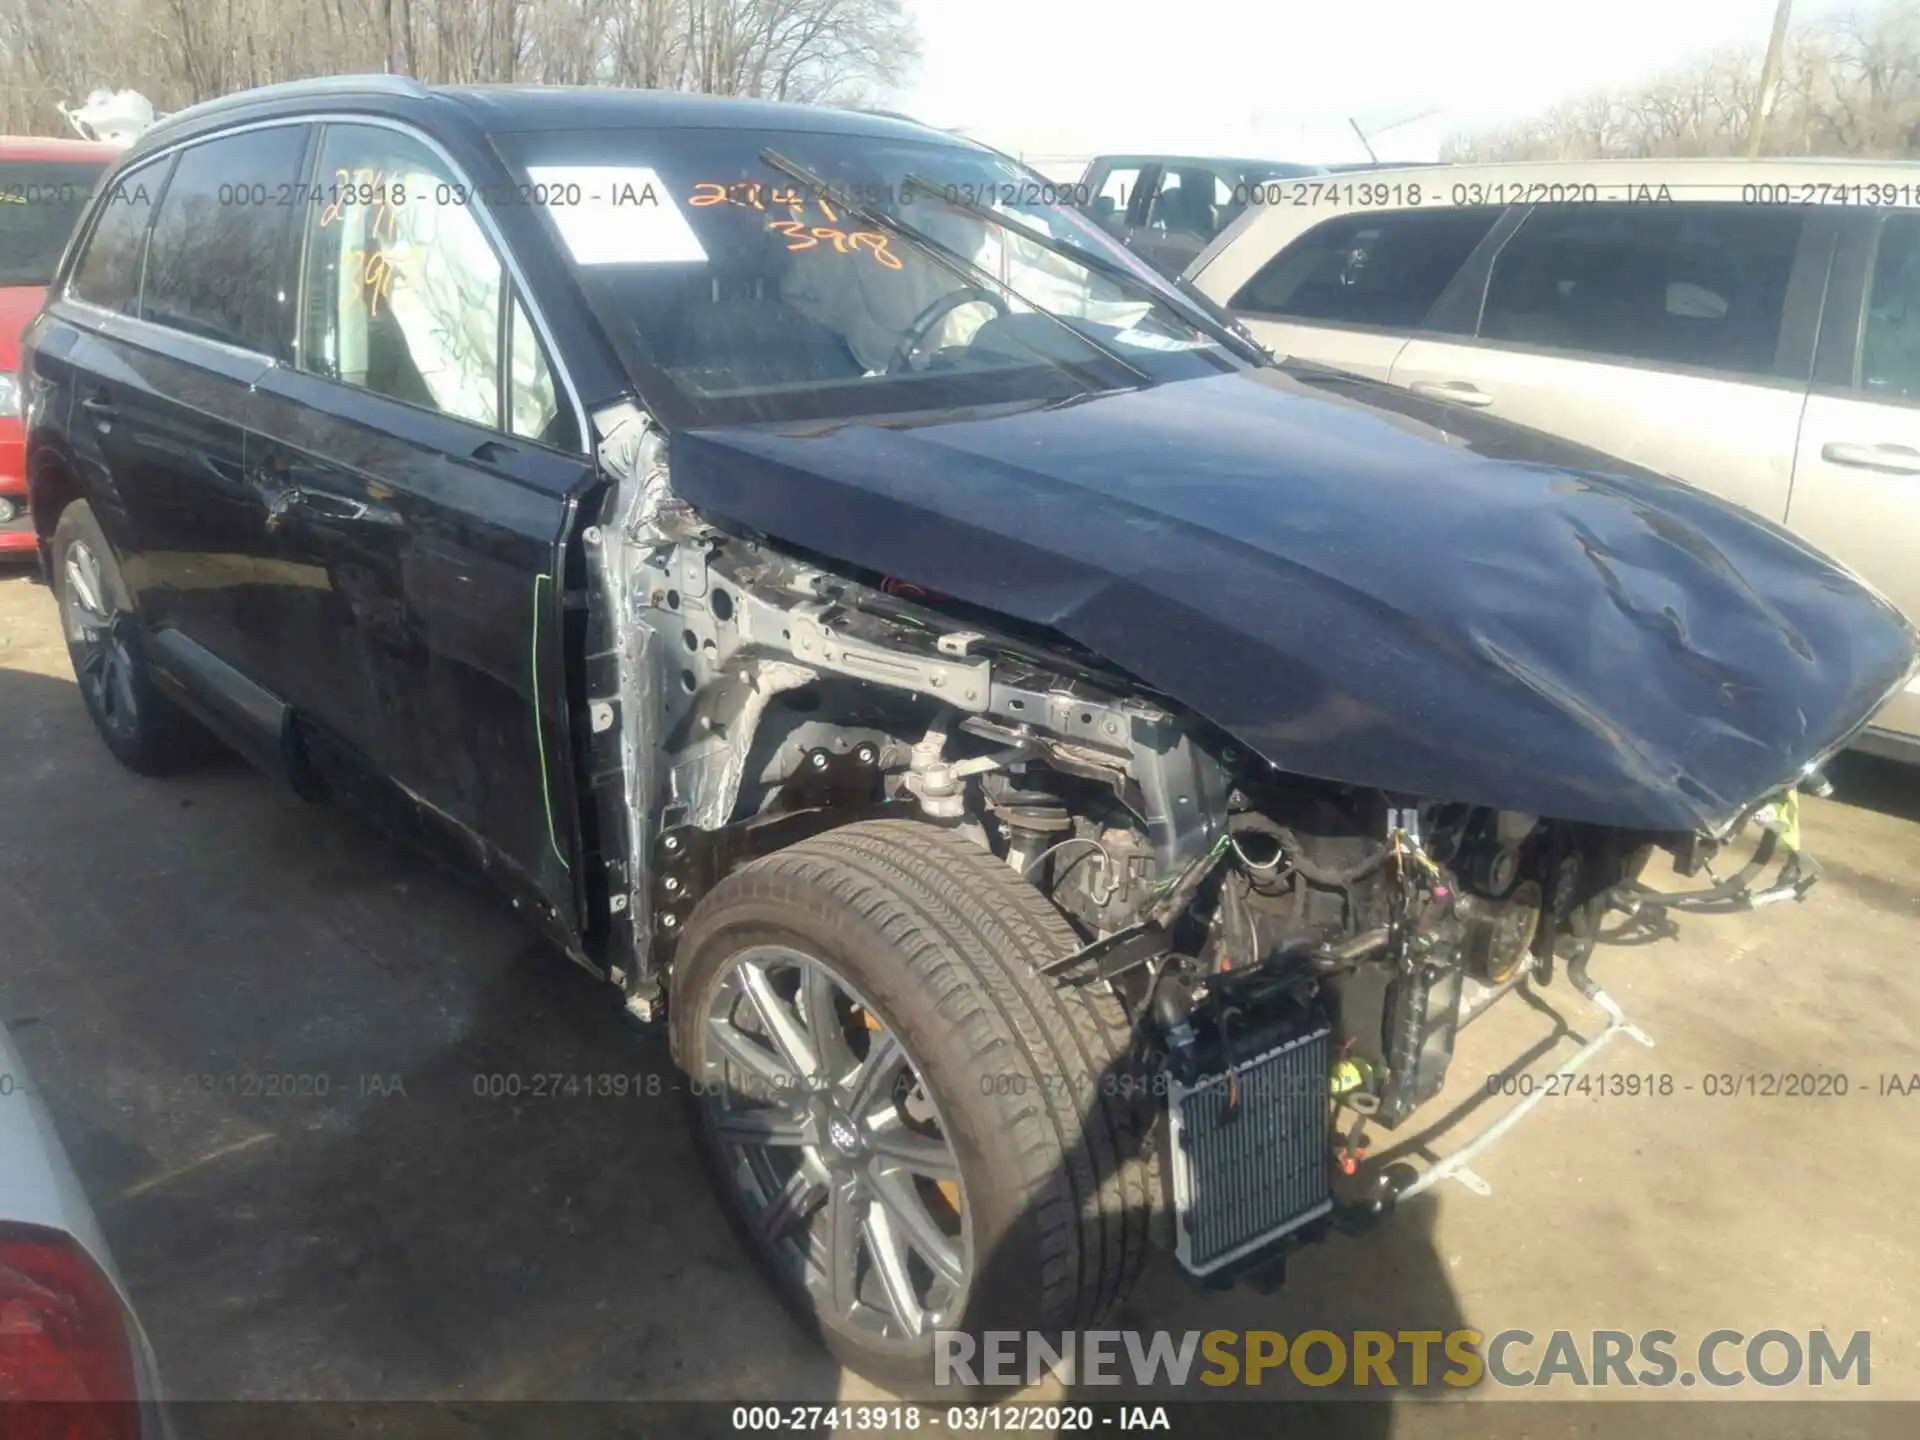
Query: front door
<point x="1856" y="475"/>
<point x="415" y="468"/>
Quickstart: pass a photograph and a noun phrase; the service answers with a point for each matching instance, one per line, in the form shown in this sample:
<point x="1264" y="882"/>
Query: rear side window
<point x="1109" y="203"/>
<point x="220" y="257"/>
<point x="108" y="274"/>
<point x="1700" y="285"/>
<point x="1191" y="201"/>
<point x="403" y="288"/>
<point x="39" y="203"/>
<point x="1383" y="269"/>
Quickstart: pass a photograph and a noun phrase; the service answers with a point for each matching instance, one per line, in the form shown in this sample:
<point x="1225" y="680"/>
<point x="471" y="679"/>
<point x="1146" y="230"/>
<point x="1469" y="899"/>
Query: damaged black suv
<point x="1059" y="773"/>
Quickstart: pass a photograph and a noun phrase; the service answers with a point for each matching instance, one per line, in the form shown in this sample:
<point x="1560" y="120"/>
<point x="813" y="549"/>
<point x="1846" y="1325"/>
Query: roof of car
<point x="1237" y="162"/>
<point x="53" y="148"/>
<point x="1260" y="230"/>
<point x="497" y="109"/>
<point x="1691" y="170"/>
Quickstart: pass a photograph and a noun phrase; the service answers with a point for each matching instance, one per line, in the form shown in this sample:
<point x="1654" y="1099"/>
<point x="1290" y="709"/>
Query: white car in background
<point x="74" y="1361"/>
<point x="1749" y="327"/>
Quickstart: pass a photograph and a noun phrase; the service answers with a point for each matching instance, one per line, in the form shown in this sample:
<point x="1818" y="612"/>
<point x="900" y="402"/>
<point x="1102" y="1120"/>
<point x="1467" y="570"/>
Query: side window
<point x="535" y="408"/>
<point x="1890" y="334"/>
<point x="1379" y="268"/>
<point x="108" y="273"/>
<point x="1110" y="201"/>
<point x="1183" y="203"/>
<point x="220" y="260"/>
<point x="1700" y="284"/>
<point x="403" y="289"/>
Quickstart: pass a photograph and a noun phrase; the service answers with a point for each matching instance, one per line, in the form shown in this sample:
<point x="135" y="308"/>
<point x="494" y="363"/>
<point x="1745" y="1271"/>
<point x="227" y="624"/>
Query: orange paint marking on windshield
<point x="746" y="195"/>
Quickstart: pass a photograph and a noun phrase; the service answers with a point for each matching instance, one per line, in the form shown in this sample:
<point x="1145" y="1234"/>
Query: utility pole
<point x="1769" y="78"/>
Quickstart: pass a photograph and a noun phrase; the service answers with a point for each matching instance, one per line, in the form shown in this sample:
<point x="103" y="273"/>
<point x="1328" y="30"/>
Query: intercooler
<point x="1251" y="1150"/>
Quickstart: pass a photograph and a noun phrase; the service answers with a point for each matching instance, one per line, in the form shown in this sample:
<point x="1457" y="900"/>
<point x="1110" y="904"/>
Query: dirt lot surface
<point x="386" y="1230"/>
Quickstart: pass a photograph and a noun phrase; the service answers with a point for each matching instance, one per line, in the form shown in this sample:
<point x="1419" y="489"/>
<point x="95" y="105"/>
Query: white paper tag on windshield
<point x="616" y="215"/>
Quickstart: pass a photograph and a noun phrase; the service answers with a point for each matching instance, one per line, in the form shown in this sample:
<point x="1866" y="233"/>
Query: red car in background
<point x="44" y="185"/>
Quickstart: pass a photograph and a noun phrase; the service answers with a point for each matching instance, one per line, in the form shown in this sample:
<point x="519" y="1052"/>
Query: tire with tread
<point x="1031" y="1076"/>
<point x="161" y="738"/>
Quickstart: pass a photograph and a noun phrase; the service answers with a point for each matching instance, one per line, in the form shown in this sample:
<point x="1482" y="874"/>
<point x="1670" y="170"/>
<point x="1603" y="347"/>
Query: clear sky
<point x="1217" y="75"/>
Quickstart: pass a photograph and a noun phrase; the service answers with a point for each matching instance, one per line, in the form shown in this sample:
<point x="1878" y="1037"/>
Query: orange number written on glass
<point x="371" y="265"/>
<point x="801" y="235"/>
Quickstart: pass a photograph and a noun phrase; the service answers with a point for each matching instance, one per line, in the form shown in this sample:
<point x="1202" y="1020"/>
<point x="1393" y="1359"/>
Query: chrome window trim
<point x="510" y="266"/>
<point x="238" y="351"/>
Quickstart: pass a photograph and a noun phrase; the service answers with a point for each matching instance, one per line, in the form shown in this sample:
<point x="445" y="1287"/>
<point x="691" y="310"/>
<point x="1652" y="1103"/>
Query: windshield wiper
<point x="1193" y="314"/>
<point x="950" y="259"/>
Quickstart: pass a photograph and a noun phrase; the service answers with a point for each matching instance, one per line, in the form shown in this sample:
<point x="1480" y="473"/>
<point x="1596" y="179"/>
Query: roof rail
<point x="376" y="84"/>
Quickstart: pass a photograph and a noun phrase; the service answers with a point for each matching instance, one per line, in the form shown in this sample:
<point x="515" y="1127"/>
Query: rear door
<point x="1351" y="290"/>
<point x="1856" y="474"/>
<point x="162" y="392"/>
<point x="415" y="466"/>
<point x="1675" y="335"/>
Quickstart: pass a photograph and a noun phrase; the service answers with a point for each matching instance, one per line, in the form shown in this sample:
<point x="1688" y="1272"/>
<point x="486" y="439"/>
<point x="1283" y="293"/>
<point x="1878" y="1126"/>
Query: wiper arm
<point x="1198" y="317"/>
<point x="948" y="258"/>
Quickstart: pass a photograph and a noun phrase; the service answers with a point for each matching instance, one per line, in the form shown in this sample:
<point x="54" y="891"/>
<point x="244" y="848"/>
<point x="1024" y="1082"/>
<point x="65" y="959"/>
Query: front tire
<point x="912" y="1128"/>
<point x="146" y="731"/>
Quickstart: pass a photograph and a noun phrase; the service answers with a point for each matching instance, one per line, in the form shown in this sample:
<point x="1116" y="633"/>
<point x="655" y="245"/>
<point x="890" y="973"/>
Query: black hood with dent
<point x="1362" y="585"/>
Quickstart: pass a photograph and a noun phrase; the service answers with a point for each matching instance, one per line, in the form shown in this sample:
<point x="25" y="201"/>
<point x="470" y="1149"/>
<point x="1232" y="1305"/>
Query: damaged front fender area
<point x="1358" y="594"/>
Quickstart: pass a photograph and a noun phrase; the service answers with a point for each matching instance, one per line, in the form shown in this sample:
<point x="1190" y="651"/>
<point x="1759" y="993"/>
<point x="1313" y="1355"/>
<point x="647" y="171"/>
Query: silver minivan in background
<point x="1749" y="327"/>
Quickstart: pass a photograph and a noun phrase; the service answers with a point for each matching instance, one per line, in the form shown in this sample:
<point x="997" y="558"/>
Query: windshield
<point x="746" y="292"/>
<point x="39" y="203"/>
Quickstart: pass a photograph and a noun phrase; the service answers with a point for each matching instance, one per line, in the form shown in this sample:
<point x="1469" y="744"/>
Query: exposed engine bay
<point x="1297" y="956"/>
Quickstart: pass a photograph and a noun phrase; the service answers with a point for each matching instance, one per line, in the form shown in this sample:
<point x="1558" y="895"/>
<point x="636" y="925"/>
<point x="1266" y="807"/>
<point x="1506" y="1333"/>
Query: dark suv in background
<point x="1168" y="208"/>
<point x="1042" y="759"/>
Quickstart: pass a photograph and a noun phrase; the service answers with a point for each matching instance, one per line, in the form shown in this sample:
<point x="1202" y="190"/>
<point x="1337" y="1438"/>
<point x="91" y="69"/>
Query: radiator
<point x="1251" y="1160"/>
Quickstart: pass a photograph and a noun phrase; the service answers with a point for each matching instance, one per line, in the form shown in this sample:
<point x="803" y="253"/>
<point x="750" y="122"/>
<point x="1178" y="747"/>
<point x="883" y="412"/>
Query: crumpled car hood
<point x="1361" y="585"/>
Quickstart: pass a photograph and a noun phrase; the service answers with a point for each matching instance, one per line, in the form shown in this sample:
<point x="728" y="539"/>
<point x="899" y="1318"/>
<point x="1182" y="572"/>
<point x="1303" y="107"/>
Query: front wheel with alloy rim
<point x="913" y="1129"/>
<point x="145" y="730"/>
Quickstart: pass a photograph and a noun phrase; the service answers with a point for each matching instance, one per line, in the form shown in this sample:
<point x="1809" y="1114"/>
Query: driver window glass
<point x="1370" y="269"/>
<point x="1184" y="203"/>
<point x="1115" y="194"/>
<point x="535" y="410"/>
<point x="403" y="291"/>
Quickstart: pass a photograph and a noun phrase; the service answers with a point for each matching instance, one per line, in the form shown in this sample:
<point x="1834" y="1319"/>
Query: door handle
<point x="1460" y="392"/>
<point x="101" y="409"/>
<point x="1891" y="459"/>
<point x="331" y="507"/>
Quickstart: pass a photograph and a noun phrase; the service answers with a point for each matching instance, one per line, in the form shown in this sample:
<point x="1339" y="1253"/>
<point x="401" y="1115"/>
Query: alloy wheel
<point x="101" y="658"/>
<point x="839" y="1155"/>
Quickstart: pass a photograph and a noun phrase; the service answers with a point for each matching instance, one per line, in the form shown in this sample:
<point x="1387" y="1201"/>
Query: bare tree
<point x="177" y="52"/>
<point x="1849" y="84"/>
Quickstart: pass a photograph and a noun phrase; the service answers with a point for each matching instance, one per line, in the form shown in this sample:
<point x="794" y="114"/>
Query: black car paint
<point x="304" y="549"/>
<point x="1332" y="580"/>
<point x="1363" y="586"/>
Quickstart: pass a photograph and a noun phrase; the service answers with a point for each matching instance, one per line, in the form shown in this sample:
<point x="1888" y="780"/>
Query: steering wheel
<point x="923" y="324"/>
